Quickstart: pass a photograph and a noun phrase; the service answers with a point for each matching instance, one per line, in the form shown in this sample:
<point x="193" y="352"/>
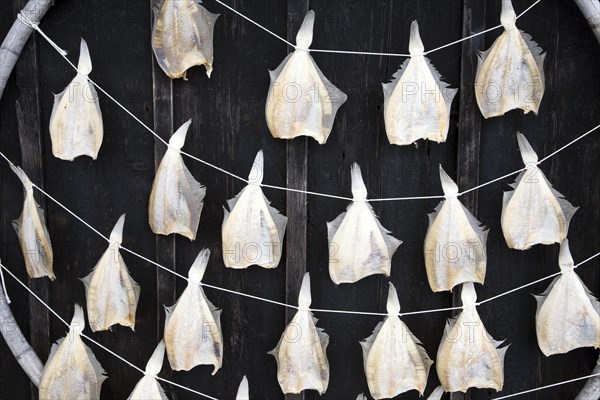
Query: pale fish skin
<point x="33" y="233"/>
<point x="510" y="74"/>
<point x="455" y="242"/>
<point x="253" y="231"/>
<point x="244" y="390"/>
<point x="436" y="394"/>
<point x="72" y="371"/>
<point x="176" y="199"/>
<point x="148" y="387"/>
<point x="468" y="356"/>
<point x="567" y="316"/>
<point x="301" y="353"/>
<point x="193" y="333"/>
<point x="301" y="100"/>
<point x="534" y="213"/>
<point x="182" y="37"/>
<point x="394" y="359"/>
<point x="358" y="245"/>
<point x="76" y="127"/>
<point x="112" y="295"/>
<point x="417" y="102"/>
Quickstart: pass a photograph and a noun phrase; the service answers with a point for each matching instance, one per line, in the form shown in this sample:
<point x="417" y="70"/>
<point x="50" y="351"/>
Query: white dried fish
<point x="301" y="100"/>
<point x="177" y="198"/>
<point x="510" y="74"/>
<point x="567" y="315"/>
<point x="436" y="394"/>
<point x="534" y="213"/>
<point x="253" y="231"/>
<point x="394" y="359"/>
<point x="112" y="295"/>
<point x="468" y="356"/>
<point x="148" y="387"/>
<point x="361" y="397"/>
<point x="358" y="245"/>
<point x="182" y="37"/>
<point x="72" y="371"/>
<point x="33" y="233"/>
<point x="301" y="353"/>
<point x="76" y="127"/>
<point x="417" y="102"/>
<point x="243" y="391"/>
<point x="455" y="242"/>
<point x="193" y="327"/>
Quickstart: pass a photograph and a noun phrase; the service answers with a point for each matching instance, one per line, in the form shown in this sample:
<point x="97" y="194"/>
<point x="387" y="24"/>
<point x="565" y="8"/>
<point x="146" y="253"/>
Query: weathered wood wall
<point x="228" y="129"/>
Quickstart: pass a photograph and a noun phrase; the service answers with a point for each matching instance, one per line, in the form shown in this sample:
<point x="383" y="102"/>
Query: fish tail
<point x="85" y="60"/>
<point x="305" y="34"/>
<point x="359" y="190"/>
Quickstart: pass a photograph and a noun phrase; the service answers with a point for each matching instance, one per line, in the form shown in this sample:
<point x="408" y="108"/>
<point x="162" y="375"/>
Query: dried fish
<point x="510" y="74"/>
<point x="243" y="391"/>
<point x="253" y="231"/>
<point x="455" y="242"/>
<point x="567" y="315"/>
<point x="177" y="198"/>
<point x="534" y="212"/>
<point x="182" y="37"/>
<point x="193" y="327"/>
<point x="72" y="371"/>
<point x="148" y="387"/>
<point x="436" y="394"/>
<point x="417" y="102"/>
<point x="76" y="127"/>
<point x="301" y="100"/>
<point x="112" y="295"/>
<point x="361" y="397"/>
<point x="33" y="233"/>
<point x="468" y="356"/>
<point x="358" y="245"/>
<point x="301" y="353"/>
<point x="394" y="359"/>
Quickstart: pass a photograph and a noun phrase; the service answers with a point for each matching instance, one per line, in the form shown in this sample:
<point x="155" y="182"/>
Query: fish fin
<point x="225" y="215"/>
<point x="233" y="201"/>
<point x="177" y="140"/>
<point x="199" y="266"/>
<point x="538" y="54"/>
<point x="415" y="44"/>
<point x="16" y="224"/>
<point x="359" y="190"/>
<point x="304" y="37"/>
<point x="480" y="230"/>
<point x="304" y="298"/>
<point x="243" y="392"/>
<point x="388" y="88"/>
<point x="116" y="235"/>
<point x="528" y="155"/>
<point x="447" y="92"/>
<point x="334" y="225"/>
<point x="361" y="397"/>
<point x="566" y="207"/>
<point x="279" y="219"/>
<point x="436" y="394"/>
<point x="449" y="187"/>
<point x="21" y="174"/>
<point x="590" y="295"/>
<point x="393" y="304"/>
<point x="257" y="171"/>
<point x="155" y="363"/>
<point x="85" y="60"/>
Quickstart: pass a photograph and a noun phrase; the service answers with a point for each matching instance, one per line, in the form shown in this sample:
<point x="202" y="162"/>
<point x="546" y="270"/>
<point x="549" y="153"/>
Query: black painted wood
<point x="229" y="128"/>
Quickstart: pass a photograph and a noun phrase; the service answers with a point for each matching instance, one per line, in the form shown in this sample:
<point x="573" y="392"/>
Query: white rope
<point x="546" y="387"/>
<point x="63" y="54"/>
<point x="370" y="53"/>
<point x="2" y="267"/>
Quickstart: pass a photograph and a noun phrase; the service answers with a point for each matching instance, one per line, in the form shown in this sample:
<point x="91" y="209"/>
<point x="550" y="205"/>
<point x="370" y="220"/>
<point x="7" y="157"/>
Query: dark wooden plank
<point x="296" y="203"/>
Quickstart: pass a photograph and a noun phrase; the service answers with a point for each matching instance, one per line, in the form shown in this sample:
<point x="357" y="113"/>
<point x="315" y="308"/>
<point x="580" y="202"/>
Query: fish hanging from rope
<point x="567" y="316"/>
<point x="301" y="353"/>
<point x="177" y="198"/>
<point x="455" y="242"/>
<point x="252" y="231"/>
<point x="243" y="391"/>
<point x="76" y="127"/>
<point x="72" y="371"/>
<point x="468" y="356"/>
<point x="417" y="102"/>
<point x="301" y="100"/>
<point x="33" y="233"/>
<point x="148" y="388"/>
<point x="358" y="245"/>
<point x="394" y="359"/>
<point x="534" y="212"/>
<point x="182" y="37"/>
<point x="112" y="294"/>
<point x="510" y="74"/>
<point x="193" y="333"/>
